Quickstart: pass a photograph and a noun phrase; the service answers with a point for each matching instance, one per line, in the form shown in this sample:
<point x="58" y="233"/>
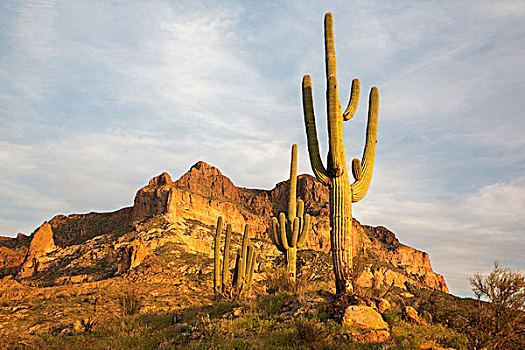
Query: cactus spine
<point x="335" y="175"/>
<point x="289" y="234"/>
<point x="244" y="267"/>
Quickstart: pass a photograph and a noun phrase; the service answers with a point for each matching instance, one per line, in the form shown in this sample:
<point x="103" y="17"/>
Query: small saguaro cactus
<point x="245" y="264"/>
<point x="244" y="267"/>
<point x="289" y="234"/>
<point x="335" y="174"/>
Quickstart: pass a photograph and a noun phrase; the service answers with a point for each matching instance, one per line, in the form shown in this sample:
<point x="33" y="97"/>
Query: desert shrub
<point x="500" y="323"/>
<point x="129" y="301"/>
<point x="414" y="336"/>
<point x="277" y="281"/>
<point x="310" y="330"/>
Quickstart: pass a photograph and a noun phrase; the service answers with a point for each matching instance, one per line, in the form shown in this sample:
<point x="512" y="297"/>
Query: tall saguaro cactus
<point x="289" y="234"/>
<point x="335" y="174"/>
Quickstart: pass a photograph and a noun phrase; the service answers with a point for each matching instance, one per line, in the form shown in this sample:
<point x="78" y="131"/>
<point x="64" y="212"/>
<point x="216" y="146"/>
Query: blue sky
<point x="99" y="96"/>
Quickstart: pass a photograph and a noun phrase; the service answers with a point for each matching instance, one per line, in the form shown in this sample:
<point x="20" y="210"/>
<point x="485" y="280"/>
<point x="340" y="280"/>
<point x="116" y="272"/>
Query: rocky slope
<point x="179" y="215"/>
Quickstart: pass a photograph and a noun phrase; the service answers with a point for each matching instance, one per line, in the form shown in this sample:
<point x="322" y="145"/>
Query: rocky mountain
<point x="98" y="246"/>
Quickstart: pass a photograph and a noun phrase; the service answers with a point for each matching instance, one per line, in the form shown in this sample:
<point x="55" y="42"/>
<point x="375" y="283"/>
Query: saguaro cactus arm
<point x="354" y="99"/>
<point x="311" y="133"/>
<point x="304" y="232"/>
<point x="364" y="176"/>
<point x="276" y="235"/>
<point x="282" y="227"/>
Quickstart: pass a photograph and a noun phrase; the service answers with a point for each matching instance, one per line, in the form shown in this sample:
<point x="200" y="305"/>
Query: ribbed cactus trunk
<point x="335" y="175"/>
<point x="341" y="235"/>
<point x="291" y="263"/>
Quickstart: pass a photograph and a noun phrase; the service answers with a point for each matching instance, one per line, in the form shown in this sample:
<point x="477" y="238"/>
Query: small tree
<point x="502" y="320"/>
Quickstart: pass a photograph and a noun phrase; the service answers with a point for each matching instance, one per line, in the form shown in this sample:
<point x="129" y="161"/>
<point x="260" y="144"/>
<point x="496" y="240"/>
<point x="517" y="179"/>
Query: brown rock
<point x="78" y="228"/>
<point x="73" y="279"/>
<point x="363" y="317"/>
<point x="372" y="336"/>
<point x="238" y="311"/>
<point x="42" y="243"/>
<point x="208" y="181"/>
<point x="382" y="305"/>
<point x="132" y="256"/>
<point x="410" y="315"/>
<point x="12" y="253"/>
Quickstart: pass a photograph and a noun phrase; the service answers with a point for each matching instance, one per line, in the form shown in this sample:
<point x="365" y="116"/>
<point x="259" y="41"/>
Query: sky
<point x="97" y="97"/>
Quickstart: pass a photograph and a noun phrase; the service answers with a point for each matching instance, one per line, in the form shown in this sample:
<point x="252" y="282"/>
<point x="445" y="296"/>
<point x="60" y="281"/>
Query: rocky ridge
<point x="190" y="207"/>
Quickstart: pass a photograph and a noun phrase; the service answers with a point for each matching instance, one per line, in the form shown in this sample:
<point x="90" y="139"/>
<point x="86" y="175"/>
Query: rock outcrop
<point x="42" y="243"/>
<point x="12" y="253"/>
<point x="78" y="228"/>
<point x="132" y="256"/>
<point x="204" y="193"/>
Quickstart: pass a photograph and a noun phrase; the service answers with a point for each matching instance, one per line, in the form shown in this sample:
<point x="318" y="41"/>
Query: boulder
<point x="382" y="305"/>
<point x="372" y="336"/>
<point x="410" y="314"/>
<point x="364" y="318"/>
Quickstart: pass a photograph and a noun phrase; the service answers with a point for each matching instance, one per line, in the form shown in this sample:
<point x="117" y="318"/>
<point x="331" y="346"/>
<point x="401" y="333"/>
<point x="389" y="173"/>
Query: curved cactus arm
<point x="300" y="214"/>
<point x="353" y="101"/>
<point x="293" y="184"/>
<point x="335" y="128"/>
<point x="282" y="226"/>
<point x="295" y="233"/>
<point x="304" y="232"/>
<point x="360" y="186"/>
<point x="357" y="170"/>
<point x="311" y="133"/>
<point x="276" y="235"/>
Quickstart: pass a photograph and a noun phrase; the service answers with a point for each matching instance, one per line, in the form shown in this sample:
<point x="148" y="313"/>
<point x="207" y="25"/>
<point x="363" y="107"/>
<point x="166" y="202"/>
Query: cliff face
<point x="12" y="253"/>
<point x="42" y="243"/>
<point x="77" y="228"/>
<point x="204" y="193"/>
